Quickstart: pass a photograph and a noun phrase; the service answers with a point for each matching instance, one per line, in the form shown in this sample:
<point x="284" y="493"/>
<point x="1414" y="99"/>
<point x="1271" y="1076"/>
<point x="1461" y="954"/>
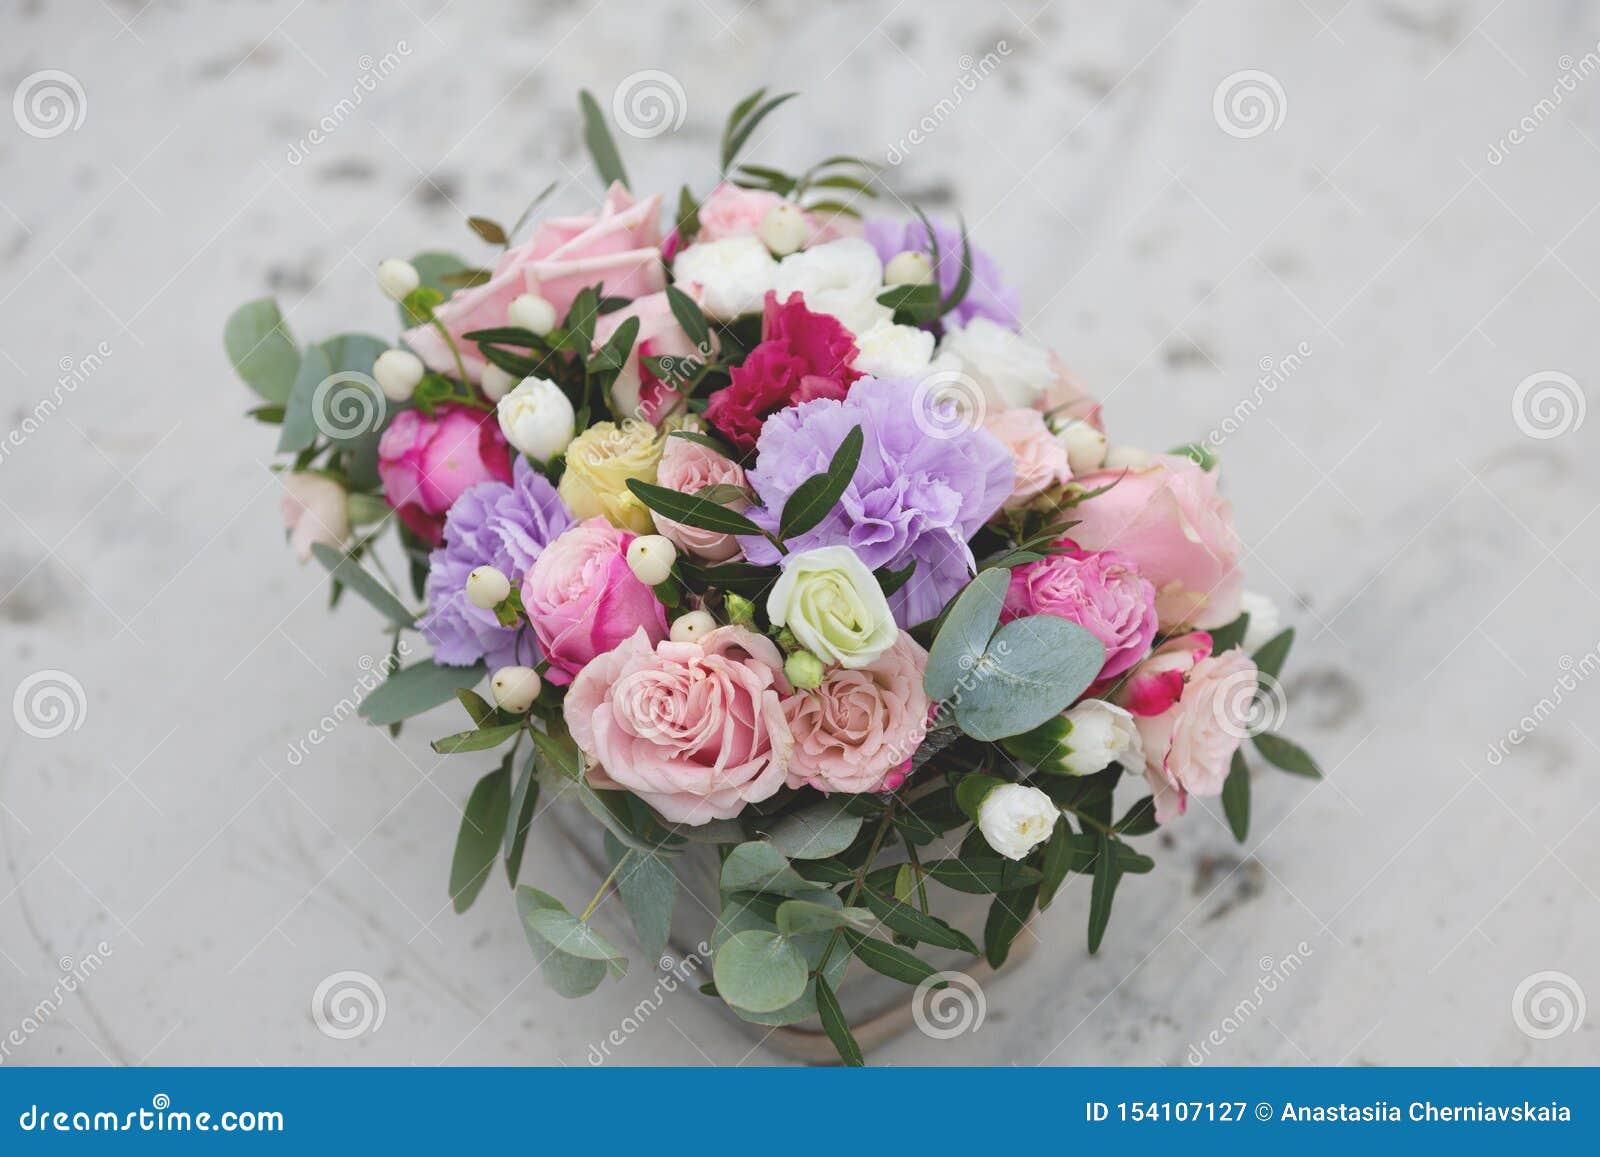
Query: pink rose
<point x="1167" y="515"/>
<point x="733" y="212"/>
<point x="638" y="391"/>
<point x="696" y="730"/>
<point x="855" y="732"/>
<point x="1101" y="591"/>
<point x="689" y="467"/>
<point x="1041" y="460"/>
<point x="314" y="510"/>
<point x="618" y="248"/>
<point x="583" y="600"/>
<point x="1066" y="397"/>
<point x="426" y="463"/>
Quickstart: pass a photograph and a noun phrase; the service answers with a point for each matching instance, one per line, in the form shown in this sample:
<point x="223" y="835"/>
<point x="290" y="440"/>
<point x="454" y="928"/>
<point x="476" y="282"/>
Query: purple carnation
<point x="493" y="524"/>
<point x="987" y="296"/>
<point x="917" y="495"/>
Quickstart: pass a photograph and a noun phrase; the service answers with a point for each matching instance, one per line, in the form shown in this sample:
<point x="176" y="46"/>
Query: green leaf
<point x="1228" y="637"/>
<point x="970" y="793"/>
<point x="978" y="877"/>
<point x="261" y="349"/>
<point x="490" y="231"/>
<point x="649" y="890"/>
<point x="1031" y="671"/>
<point x="815" y="833"/>
<point x="965" y="633"/>
<point x="1198" y="453"/>
<point x="476" y="706"/>
<point x="299" y="417"/>
<point x="348" y="572"/>
<point x="524" y="803"/>
<point x="571" y="976"/>
<point x="614" y="354"/>
<point x="836" y="1026"/>
<point x="958" y="291"/>
<point x="1270" y="655"/>
<point x="890" y="960"/>
<point x="1140" y="819"/>
<point x="1007" y="915"/>
<point x="434" y="268"/>
<point x="607" y="161"/>
<point x="1059" y="856"/>
<point x="814" y="498"/>
<point x="479" y="739"/>
<point x="798" y="917"/>
<point x="483" y="823"/>
<point x="689" y="317"/>
<point x="415" y="689"/>
<point x="1236" y="796"/>
<point x="738" y="132"/>
<point x="917" y="925"/>
<point x="1106" y="875"/>
<point x="559" y="752"/>
<point x="1287" y="755"/>
<point x="890" y="581"/>
<point x="757" y="866"/>
<point x="759" y="971"/>
<point x="691" y="511"/>
<point x="566" y="933"/>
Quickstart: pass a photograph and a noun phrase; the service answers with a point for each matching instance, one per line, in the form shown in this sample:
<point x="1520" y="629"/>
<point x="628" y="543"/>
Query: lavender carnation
<point x="493" y="524"/>
<point x="988" y="296"/>
<point x="916" y="497"/>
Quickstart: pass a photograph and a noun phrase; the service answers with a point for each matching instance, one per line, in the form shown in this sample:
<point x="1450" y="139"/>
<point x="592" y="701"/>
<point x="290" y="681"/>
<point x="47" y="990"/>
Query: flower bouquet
<point x="773" y="538"/>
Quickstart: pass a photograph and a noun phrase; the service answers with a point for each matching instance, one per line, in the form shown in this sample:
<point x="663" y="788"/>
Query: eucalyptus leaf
<point x="815" y="833"/>
<point x="1032" y="670"/>
<point x="759" y="971"/>
<point x="570" y="976"/>
<point x="415" y="689"/>
<point x="299" y="430"/>
<point x="965" y="634"/>
<point x="348" y="572"/>
<point x="566" y="933"/>
<point x="758" y="866"/>
<point x="649" y="890"/>
<point x="261" y="349"/>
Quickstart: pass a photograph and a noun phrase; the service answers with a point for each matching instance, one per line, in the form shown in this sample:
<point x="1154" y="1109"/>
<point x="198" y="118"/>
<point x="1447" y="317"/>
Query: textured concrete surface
<point x="1439" y="560"/>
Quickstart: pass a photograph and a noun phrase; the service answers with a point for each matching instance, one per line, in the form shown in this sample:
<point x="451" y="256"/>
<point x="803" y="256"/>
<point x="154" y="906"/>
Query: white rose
<point x="894" y="351"/>
<point x="537" y="418"/>
<point x="733" y="275"/>
<point x="1265" y="621"/>
<point x="841" y="278"/>
<point x="1015" y="819"/>
<point x="1101" y="734"/>
<point x="834" y="606"/>
<point x="1013" y="372"/>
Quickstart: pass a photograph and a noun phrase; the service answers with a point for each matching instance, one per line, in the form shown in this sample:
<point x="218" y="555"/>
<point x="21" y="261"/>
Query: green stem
<point x="859" y="882"/>
<point x="461" y="367"/>
<point x="600" y="895"/>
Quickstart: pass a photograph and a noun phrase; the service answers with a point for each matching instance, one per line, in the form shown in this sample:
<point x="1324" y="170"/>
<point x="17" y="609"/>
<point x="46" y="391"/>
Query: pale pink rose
<point x="689" y="467"/>
<point x="1041" y="460"/>
<point x="1066" y="398"/>
<point x="583" y="599"/>
<point x="696" y="730"/>
<point x="314" y="510"/>
<point x="1167" y="514"/>
<point x="1101" y="591"/>
<point x="619" y="248"/>
<point x="638" y="391"/>
<point x="732" y="212"/>
<point x="427" y="462"/>
<point x="856" y="731"/>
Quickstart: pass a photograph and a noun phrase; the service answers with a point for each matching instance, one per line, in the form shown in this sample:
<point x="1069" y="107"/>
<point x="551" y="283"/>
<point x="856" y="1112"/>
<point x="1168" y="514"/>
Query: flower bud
<point x="495" y="382"/>
<point x="515" y="688"/>
<point x="740" y="610"/>
<point x="537" y="418"/>
<point x="487" y="587"/>
<point x="397" y="373"/>
<point x="397" y="278"/>
<point x="911" y="267"/>
<point x="1126" y="458"/>
<point x="1086" y="740"/>
<point x="804" y="670"/>
<point x="1015" y="819"/>
<point x="783" y="229"/>
<point x="531" y="312"/>
<point x="650" y="557"/>
<point x="692" y="627"/>
<point x="1085" y="446"/>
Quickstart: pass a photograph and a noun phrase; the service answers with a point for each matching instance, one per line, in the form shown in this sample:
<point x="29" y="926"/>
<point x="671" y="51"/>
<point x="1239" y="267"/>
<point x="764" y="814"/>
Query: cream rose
<point x="599" y="463"/>
<point x="834" y="606"/>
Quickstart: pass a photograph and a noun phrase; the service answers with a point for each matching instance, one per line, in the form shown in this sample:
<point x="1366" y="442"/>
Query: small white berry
<point x="650" y="557"/>
<point x="397" y="278"/>
<point x="487" y="587"/>
<point x="397" y="373"/>
<point x="495" y="382"/>
<point x="908" y="268"/>
<point x="1085" y="446"/>
<point x="692" y="627"/>
<point x="783" y="230"/>
<point x="531" y="312"/>
<point x="515" y="688"/>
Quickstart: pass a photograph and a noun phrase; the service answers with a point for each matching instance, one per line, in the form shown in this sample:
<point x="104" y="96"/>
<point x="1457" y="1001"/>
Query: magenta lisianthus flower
<point x="987" y="295"/>
<point x="1102" y="591"/>
<point x="426" y="463"/>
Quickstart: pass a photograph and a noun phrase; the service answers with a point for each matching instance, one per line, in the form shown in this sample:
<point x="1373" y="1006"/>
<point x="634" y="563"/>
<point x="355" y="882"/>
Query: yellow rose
<point x="599" y="463"/>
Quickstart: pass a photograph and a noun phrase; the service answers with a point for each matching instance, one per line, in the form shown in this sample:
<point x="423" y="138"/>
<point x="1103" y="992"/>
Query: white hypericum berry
<point x="495" y="382"/>
<point x="487" y="587"/>
<point x="515" y="688"/>
<point x="531" y="312"/>
<point x="1085" y="446"/>
<point x="908" y="268"/>
<point x="692" y="627"/>
<point x="650" y="557"/>
<point x="783" y="230"/>
<point x="397" y="278"/>
<point x="397" y="373"/>
<point x="537" y="418"/>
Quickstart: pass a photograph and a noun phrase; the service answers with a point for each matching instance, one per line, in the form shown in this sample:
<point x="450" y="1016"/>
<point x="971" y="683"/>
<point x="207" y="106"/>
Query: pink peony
<point x="618" y="248"/>
<point x="583" y="599"/>
<point x="857" y="730"/>
<point x="1101" y="591"/>
<point x="689" y="467"/>
<point x="802" y="356"/>
<point x="1041" y="459"/>
<point x="696" y="730"/>
<point x="638" y="392"/>
<point x="426" y="463"/>
<point x="1168" y="516"/>
<point x="733" y="212"/>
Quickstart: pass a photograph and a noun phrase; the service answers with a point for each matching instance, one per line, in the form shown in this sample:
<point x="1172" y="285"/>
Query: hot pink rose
<point x="689" y="467"/>
<point x="1041" y="460"/>
<point x="638" y="391"/>
<point x="583" y="600"/>
<point x="618" y="248"/>
<point x="1101" y="591"/>
<point x="855" y="732"/>
<point x="694" y="729"/>
<point x="733" y="212"/>
<point x="1168" y="516"/>
<point x="426" y="463"/>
